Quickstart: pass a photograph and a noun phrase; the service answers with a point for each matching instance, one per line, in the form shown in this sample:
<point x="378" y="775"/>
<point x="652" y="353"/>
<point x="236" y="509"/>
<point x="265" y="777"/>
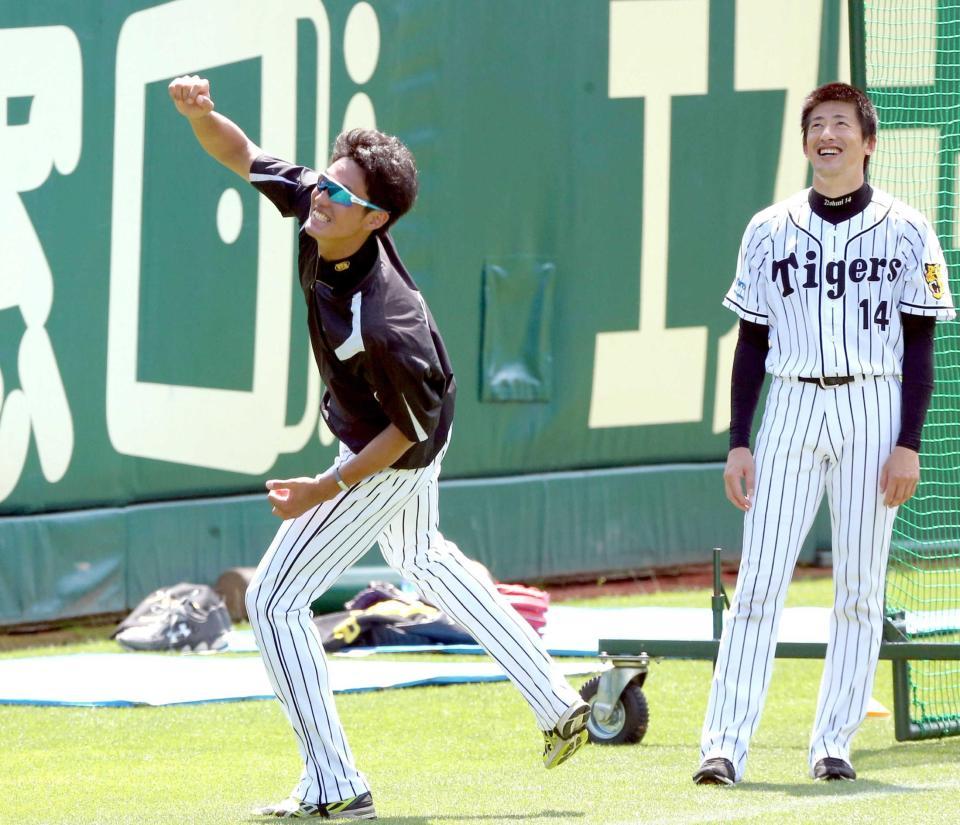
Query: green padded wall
<point x="597" y="159"/>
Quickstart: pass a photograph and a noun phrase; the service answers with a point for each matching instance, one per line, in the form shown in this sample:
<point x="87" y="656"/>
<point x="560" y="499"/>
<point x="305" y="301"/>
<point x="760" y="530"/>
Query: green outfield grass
<point x="464" y="754"/>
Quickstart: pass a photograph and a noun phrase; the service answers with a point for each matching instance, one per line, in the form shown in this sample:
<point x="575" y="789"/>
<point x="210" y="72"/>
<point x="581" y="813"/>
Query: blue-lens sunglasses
<point x="339" y="193"/>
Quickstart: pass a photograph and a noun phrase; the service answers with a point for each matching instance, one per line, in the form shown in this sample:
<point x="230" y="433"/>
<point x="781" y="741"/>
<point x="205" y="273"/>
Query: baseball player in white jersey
<point x="837" y="289"/>
<point x="389" y="398"/>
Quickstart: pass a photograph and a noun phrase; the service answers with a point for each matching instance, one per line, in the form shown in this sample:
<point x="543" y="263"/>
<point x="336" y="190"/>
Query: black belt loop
<point x="829" y="381"/>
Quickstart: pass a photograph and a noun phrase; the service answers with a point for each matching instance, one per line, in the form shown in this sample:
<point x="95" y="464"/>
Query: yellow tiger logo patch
<point x="931" y="272"/>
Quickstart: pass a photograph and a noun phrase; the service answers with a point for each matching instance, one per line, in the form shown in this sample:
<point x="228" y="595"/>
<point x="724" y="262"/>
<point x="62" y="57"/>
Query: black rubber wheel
<point x="630" y="716"/>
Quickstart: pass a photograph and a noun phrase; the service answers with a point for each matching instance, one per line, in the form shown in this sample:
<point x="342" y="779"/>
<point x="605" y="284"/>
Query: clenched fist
<point x="191" y="95"/>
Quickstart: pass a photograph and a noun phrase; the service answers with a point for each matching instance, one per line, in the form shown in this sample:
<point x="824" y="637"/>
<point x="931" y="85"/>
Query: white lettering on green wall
<point x="657" y="374"/>
<point x="633" y="369"/>
<point x="48" y="138"/>
<point x="242" y="431"/>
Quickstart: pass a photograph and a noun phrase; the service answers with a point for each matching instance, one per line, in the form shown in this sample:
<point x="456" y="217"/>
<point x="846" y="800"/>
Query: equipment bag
<point x="530" y="602"/>
<point x="185" y="617"/>
<point x="382" y="615"/>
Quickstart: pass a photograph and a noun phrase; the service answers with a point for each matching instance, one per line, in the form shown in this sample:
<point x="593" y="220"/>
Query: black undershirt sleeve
<point x="917" y="377"/>
<point x="746" y="380"/>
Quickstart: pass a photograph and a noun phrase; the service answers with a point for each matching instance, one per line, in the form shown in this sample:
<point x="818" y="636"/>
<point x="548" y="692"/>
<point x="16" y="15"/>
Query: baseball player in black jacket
<point x="389" y="399"/>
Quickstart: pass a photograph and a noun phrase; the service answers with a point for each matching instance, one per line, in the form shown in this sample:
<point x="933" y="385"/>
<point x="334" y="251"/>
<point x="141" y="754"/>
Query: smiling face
<point x="836" y="148"/>
<point x="341" y="230"/>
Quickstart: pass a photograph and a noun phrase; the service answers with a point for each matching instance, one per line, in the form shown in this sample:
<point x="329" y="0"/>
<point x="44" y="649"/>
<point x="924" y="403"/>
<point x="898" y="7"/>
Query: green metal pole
<point x="901" y="701"/>
<point x="858" y="43"/>
<point x="719" y="597"/>
<point x="717" y="602"/>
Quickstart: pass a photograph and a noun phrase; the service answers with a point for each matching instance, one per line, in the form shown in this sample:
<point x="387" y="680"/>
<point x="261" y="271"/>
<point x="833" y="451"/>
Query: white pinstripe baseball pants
<point x="398" y="509"/>
<point x="810" y="439"/>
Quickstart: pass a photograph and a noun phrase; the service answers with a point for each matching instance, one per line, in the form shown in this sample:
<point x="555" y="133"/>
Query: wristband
<point x="339" y="478"/>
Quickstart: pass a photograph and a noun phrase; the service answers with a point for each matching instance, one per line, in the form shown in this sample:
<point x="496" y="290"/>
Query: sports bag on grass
<point x="185" y="617"/>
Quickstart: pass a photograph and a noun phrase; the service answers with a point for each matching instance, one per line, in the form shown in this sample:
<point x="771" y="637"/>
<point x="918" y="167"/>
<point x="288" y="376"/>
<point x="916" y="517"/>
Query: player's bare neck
<point x="838" y="186"/>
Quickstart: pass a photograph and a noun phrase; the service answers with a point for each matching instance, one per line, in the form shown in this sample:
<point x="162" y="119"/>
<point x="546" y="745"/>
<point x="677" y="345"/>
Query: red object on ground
<point x="529" y="602"/>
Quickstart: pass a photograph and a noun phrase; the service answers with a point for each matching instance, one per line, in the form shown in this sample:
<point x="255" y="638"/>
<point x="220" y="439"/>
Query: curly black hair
<point x="389" y="170"/>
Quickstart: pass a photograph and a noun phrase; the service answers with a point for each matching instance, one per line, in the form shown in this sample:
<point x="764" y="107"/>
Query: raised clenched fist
<point x="191" y="95"/>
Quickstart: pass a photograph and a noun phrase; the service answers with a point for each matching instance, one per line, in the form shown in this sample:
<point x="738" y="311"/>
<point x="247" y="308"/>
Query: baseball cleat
<point x="569" y="735"/>
<point x="716" y="771"/>
<point x="357" y="807"/>
<point x="831" y="769"/>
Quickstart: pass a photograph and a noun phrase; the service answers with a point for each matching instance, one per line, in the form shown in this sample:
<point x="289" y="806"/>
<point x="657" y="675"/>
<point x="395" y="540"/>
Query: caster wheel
<point x="628" y="723"/>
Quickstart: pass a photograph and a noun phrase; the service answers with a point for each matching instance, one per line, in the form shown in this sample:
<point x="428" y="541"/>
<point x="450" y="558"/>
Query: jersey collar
<point x="344" y="275"/>
<point x="838" y="210"/>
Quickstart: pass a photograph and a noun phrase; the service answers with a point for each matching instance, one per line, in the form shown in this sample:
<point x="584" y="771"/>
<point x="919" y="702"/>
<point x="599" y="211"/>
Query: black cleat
<point x="831" y="769"/>
<point x="716" y="771"/>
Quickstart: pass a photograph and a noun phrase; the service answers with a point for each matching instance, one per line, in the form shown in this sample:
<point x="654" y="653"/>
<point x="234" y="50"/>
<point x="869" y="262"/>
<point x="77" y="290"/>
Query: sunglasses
<point x="339" y="193"/>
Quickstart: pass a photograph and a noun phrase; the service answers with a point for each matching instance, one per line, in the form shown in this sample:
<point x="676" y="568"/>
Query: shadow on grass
<point x="908" y="755"/>
<point x="845" y="790"/>
<point x="564" y="816"/>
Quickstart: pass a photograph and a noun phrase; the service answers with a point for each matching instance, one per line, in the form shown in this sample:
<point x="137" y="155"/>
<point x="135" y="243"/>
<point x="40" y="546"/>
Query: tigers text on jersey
<point x="376" y="344"/>
<point x="832" y="292"/>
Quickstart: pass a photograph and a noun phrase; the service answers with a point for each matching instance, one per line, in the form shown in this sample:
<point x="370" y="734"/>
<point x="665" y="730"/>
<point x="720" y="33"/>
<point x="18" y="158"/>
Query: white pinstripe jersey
<point x="832" y="294"/>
